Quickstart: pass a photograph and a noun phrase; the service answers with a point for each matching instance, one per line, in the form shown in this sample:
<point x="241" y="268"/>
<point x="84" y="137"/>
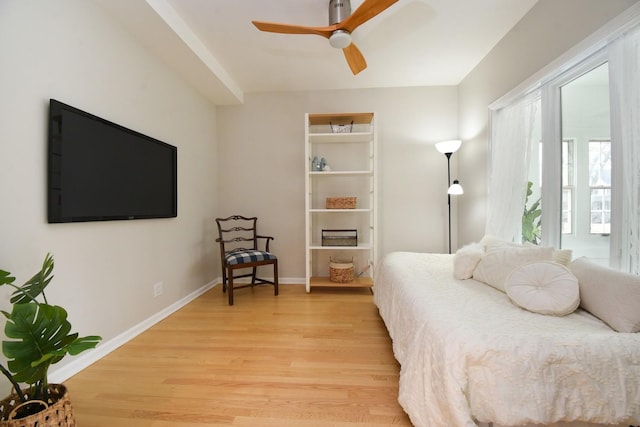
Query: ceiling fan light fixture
<point x="340" y="39"/>
<point x="342" y="23"/>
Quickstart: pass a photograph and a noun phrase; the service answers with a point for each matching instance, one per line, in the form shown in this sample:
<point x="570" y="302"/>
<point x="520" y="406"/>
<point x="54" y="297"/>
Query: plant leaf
<point x="39" y="336"/>
<point x="36" y="285"/>
<point x="6" y="278"/>
<point x="83" y="343"/>
<point x="531" y="218"/>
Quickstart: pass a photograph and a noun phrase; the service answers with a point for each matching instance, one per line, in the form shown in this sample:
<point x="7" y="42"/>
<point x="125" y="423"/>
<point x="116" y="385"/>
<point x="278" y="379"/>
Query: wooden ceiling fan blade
<point x="367" y="10"/>
<point x="272" y="27"/>
<point x="355" y="59"/>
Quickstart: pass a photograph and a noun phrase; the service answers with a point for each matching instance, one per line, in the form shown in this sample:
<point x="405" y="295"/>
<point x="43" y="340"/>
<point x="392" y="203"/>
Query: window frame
<point x="570" y="185"/>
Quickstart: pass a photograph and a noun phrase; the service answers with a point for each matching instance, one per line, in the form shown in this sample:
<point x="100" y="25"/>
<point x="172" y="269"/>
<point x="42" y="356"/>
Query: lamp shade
<point x="448" y="146"/>
<point x="455" y="189"/>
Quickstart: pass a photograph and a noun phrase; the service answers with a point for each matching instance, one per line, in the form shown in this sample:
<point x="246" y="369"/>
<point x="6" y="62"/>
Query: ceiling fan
<point x="341" y="24"/>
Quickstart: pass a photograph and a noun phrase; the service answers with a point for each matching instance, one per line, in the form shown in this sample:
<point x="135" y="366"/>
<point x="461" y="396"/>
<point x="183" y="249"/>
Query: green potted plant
<point x="531" y="218"/>
<point x="37" y="335"/>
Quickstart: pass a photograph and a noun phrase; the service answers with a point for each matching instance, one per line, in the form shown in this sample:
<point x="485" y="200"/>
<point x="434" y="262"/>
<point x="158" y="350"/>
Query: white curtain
<point x="510" y="148"/>
<point x="624" y="75"/>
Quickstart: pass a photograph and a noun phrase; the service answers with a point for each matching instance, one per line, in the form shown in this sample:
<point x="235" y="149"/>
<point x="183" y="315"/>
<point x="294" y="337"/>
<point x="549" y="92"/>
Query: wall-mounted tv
<point x="101" y="171"/>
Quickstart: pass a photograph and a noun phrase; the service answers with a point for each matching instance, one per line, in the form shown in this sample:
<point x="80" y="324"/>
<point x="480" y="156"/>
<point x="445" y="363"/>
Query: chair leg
<point x="253" y="276"/>
<point x="224" y="279"/>
<point x="230" y="285"/>
<point x="275" y="278"/>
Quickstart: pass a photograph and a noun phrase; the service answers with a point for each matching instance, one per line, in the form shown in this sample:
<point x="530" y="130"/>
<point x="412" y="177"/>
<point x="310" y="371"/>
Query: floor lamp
<point x="448" y="148"/>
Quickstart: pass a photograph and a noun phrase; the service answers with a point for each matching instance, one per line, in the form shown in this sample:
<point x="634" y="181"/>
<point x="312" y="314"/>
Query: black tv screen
<point x="101" y="171"/>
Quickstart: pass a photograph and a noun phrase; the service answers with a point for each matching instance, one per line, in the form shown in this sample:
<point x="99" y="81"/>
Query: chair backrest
<point x="237" y="234"/>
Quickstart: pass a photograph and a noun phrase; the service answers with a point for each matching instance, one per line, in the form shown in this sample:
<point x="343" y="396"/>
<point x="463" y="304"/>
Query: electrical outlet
<point x="157" y="289"/>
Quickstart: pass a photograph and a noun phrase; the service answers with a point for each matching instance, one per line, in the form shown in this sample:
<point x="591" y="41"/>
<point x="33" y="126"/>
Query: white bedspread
<point x="469" y="355"/>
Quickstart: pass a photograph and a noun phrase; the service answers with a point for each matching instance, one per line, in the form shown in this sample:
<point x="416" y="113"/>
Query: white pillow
<point x="611" y="295"/>
<point x="497" y="263"/>
<point x="492" y="242"/>
<point x="543" y="287"/>
<point x="562" y="256"/>
<point x="466" y="259"/>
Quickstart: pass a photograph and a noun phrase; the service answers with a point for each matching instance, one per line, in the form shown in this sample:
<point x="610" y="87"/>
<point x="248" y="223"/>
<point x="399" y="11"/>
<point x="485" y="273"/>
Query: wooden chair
<point x="238" y="240"/>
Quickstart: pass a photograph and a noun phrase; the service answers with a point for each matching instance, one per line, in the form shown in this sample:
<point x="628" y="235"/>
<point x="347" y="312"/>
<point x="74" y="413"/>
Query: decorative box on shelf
<point x="341" y="202"/>
<point x="341" y="128"/>
<point x="344" y="237"/>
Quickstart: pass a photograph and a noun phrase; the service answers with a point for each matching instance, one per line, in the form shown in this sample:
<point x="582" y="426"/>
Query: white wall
<point x="261" y="155"/>
<point x="547" y="31"/>
<point x="70" y="50"/>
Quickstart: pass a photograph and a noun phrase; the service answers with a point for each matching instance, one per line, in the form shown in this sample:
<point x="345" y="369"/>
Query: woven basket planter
<point x="57" y="412"/>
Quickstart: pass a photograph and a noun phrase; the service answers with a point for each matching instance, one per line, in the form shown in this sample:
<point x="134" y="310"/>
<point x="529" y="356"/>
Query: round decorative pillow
<point x="543" y="287"/>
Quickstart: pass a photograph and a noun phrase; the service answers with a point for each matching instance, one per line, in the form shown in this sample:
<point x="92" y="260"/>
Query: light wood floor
<point x="319" y="359"/>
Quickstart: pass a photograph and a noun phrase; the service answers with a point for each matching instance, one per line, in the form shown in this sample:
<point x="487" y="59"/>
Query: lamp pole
<point x="448" y="148"/>
<point x="449" y="195"/>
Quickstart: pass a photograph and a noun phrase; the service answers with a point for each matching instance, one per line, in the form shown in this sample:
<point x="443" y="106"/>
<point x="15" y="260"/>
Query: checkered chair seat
<point x="248" y="256"/>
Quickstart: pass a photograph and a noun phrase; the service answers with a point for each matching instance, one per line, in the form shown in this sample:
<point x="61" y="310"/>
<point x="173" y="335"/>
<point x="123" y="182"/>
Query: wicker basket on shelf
<point x="341" y="202"/>
<point x="341" y="271"/>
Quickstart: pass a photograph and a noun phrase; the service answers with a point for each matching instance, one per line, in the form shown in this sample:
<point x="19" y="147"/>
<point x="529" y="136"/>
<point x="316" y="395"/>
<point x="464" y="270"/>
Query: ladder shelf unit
<point x="351" y="158"/>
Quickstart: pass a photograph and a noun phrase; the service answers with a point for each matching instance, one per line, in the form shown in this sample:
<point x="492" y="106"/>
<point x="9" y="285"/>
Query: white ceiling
<point x="214" y="46"/>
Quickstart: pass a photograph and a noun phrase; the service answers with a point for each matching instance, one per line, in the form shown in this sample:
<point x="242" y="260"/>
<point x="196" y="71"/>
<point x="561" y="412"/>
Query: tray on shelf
<point x="341" y="237"/>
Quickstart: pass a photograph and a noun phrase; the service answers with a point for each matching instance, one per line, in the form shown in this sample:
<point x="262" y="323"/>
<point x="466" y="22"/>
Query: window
<point x="589" y="161"/>
<point x="586" y="161"/>
<point x="600" y="186"/>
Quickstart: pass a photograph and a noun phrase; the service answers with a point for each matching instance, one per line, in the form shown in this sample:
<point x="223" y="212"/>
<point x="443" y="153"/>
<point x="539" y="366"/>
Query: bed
<point x="469" y="356"/>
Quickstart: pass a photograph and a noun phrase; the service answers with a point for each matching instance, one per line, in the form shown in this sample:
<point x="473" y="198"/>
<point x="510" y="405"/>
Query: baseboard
<point x="78" y="363"/>
<point x="88" y="358"/>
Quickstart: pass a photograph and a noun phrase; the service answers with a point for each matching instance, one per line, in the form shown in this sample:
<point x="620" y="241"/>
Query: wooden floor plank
<point x="299" y="359"/>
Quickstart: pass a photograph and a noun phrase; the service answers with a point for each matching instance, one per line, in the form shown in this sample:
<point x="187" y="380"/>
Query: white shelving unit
<point x="352" y="160"/>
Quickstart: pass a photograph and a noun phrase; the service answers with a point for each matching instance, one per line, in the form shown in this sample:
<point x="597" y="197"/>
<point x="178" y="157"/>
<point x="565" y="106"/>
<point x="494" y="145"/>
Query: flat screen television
<point x="101" y="171"/>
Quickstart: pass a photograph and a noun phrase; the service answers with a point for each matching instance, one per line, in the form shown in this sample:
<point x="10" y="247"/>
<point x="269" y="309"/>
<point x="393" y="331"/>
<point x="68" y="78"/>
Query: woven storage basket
<point x="341" y="271"/>
<point x="341" y="202"/>
<point x="59" y="412"/>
